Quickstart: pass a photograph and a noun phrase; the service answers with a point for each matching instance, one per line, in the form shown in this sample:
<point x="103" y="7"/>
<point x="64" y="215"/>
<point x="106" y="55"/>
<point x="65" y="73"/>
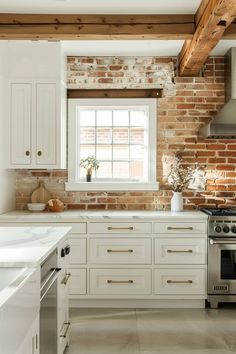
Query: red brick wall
<point x="187" y="105"/>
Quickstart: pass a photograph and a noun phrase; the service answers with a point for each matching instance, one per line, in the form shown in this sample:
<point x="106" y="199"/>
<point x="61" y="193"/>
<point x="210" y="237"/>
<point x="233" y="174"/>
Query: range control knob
<point x="226" y="229"/>
<point x="217" y="228"/>
<point x="233" y="229"/>
<point x="63" y="252"/>
<point x="67" y="249"/>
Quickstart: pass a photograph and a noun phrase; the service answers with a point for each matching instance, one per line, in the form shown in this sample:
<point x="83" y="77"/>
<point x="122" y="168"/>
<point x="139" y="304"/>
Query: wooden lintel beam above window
<point x="115" y="93"/>
<point x="62" y="27"/>
<point x="212" y="20"/>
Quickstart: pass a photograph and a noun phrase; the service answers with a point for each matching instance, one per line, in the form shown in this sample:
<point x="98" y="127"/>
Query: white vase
<point x="177" y="202"/>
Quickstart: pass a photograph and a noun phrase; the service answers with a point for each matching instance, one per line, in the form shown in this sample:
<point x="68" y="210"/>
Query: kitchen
<point x="119" y="126"/>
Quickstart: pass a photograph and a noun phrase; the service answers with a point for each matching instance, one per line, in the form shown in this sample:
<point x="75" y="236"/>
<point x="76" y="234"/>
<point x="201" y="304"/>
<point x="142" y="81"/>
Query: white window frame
<point x="107" y="185"/>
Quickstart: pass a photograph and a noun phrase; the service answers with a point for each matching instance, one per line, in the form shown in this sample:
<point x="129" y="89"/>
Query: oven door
<point x="221" y="265"/>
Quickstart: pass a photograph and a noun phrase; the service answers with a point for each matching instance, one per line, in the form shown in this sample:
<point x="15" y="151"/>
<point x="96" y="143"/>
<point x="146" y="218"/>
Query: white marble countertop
<point x="28" y="246"/>
<point x="21" y="216"/>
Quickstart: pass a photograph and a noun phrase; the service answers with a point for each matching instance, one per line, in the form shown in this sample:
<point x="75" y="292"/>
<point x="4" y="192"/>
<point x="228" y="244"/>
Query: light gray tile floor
<point x="157" y="331"/>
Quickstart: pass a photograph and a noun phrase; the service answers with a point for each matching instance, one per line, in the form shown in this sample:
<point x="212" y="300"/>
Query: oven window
<point x="228" y="264"/>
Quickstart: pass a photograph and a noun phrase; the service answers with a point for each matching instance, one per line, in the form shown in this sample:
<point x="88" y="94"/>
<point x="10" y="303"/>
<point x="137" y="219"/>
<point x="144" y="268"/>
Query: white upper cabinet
<point x="37" y="106"/>
<point x="20" y="122"/>
<point x="46" y="123"/>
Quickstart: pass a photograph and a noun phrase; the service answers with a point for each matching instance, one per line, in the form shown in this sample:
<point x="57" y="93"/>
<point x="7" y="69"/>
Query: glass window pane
<point x="136" y="170"/>
<point x="137" y="136"/>
<point x="120" y="152"/>
<point x="137" y="152"/>
<point x="104" y="152"/>
<point x="105" y="170"/>
<point x="104" y="118"/>
<point x="87" y="135"/>
<point x="120" y="135"/>
<point x="87" y="150"/>
<point x="104" y="135"/>
<point x="121" y="170"/>
<point x="138" y="118"/>
<point x="121" y="118"/>
<point x="87" y="118"/>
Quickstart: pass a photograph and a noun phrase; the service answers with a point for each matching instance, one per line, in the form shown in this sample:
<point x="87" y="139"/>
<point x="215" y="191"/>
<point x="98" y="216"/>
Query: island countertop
<point x="28" y="246"/>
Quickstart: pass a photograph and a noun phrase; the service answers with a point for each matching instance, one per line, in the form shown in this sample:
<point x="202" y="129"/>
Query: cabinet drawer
<point x="180" y="251"/>
<point x="77" y="282"/>
<point x="119" y="228"/>
<point x="77" y="251"/>
<point x="120" y="251"/>
<point x="180" y="281"/>
<point x="180" y="228"/>
<point x="120" y="281"/>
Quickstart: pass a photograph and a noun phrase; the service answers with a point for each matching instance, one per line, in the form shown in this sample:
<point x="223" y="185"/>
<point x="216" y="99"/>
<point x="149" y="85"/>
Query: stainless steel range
<point x="221" y="256"/>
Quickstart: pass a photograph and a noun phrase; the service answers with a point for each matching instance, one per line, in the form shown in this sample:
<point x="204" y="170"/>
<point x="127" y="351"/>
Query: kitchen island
<point x="23" y="251"/>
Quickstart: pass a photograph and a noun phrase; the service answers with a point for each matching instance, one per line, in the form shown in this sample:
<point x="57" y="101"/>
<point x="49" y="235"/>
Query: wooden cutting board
<point x="40" y="194"/>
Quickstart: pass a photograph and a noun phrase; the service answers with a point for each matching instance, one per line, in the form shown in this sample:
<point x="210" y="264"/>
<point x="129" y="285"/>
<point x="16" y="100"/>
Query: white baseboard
<point x="126" y="303"/>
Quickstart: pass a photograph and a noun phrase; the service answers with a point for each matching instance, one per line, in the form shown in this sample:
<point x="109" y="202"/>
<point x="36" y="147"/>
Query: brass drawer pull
<point x="66" y="278"/>
<point x="67" y="324"/>
<point x="179" y="281"/>
<point x="120" y="228"/>
<point x="179" y="228"/>
<point x="119" y="251"/>
<point x="109" y="281"/>
<point x="179" y="251"/>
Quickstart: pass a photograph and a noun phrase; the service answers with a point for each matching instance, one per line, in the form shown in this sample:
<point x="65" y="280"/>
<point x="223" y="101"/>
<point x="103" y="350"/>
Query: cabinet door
<point x="21" y="118"/>
<point x="46" y="123"/>
<point x="30" y="344"/>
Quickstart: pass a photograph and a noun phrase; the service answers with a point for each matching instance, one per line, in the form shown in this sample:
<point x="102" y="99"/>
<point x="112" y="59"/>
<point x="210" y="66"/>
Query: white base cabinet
<point x="149" y="263"/>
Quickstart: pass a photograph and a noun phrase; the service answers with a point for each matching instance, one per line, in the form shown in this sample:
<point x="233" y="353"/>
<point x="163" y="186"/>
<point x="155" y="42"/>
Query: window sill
<point x="112" y="186"/>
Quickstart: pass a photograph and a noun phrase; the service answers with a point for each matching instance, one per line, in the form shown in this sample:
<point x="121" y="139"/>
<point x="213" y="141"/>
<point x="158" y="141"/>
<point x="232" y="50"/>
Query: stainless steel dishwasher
<point x="48" y="305"/>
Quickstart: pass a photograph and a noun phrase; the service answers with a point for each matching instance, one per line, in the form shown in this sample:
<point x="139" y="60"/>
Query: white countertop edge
<point x="9" y="291"/>
<point x="105" y="215"/>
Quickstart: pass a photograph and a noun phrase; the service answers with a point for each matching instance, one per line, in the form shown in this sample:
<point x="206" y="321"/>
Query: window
<point x="121" y="134"/>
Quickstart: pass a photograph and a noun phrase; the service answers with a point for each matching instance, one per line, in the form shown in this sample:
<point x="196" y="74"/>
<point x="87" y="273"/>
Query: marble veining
<point x="157" y="331"/>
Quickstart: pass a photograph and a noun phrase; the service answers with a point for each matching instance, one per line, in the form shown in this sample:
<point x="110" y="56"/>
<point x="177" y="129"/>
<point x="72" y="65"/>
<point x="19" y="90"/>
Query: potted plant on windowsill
<point x="90" y="164"/>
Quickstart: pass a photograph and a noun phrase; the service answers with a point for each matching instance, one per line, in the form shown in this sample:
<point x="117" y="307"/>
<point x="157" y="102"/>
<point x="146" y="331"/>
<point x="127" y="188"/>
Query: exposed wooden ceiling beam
<point x="59" y="27"/>
<point x="212" y="19"/>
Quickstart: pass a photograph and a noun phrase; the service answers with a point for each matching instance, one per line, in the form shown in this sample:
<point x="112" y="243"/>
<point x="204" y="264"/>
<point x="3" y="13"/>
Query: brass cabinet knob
<point x="39" y="153"/>
<point x="27" y="153"/>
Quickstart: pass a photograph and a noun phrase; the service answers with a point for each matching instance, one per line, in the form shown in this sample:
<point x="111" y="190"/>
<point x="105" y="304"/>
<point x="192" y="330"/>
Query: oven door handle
<point x="222" y="242"/>
<point x="53" y="275"/>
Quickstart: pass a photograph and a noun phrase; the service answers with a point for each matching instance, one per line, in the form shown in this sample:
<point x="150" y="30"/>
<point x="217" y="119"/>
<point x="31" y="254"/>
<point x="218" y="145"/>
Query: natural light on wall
<point x="121" y="135"/>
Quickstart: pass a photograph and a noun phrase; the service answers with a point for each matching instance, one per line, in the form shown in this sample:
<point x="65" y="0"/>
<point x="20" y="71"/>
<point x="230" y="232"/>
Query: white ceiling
<point x="101" y="6"/>
<point x="135" y="47"/>
<point x="122" y="48"/>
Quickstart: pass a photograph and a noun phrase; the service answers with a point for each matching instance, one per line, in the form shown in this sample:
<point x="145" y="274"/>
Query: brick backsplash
<point x="188" y="103"/>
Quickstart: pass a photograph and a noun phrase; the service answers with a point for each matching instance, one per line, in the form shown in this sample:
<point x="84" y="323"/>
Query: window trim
<point x="74" y="185"/>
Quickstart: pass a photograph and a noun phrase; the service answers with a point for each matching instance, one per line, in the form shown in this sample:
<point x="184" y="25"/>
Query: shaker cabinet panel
<point x="46" y="123"/>
<point x="20" y="123"/>
<point x="37" y="125"/>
